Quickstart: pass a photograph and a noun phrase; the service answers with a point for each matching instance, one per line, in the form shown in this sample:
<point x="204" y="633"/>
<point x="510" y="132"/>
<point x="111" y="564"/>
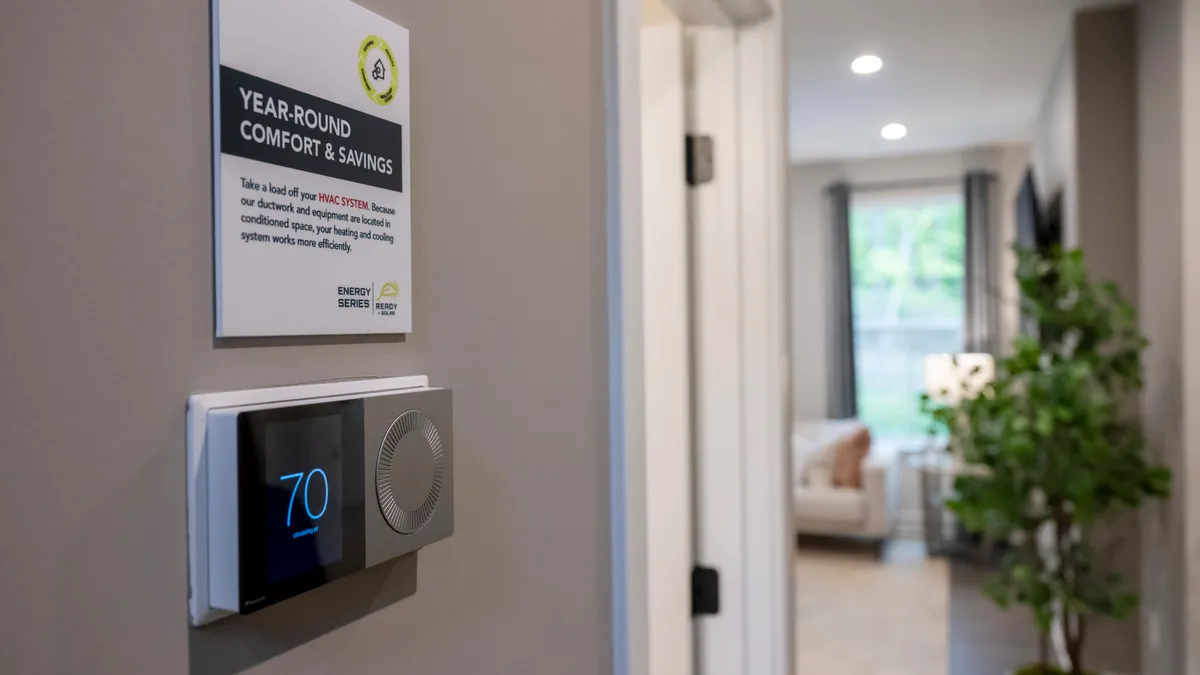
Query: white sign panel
<point x="311" y="185"/>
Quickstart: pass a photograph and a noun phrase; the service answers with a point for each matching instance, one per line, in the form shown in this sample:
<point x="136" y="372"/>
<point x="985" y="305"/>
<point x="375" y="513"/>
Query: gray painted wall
<point x="1160" y="277"/>
<point x="106" y="325"/>
<point x="1106" y="103"/>
<point x="1102" y="189"/>
<point x="1106" y="199"/>
<point x="1187" y="475"/>
<point x="1085" y="141"/>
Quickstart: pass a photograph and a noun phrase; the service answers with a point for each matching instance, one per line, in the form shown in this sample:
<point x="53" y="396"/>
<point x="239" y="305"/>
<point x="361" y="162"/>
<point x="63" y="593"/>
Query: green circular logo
<point x="377" y="69"/>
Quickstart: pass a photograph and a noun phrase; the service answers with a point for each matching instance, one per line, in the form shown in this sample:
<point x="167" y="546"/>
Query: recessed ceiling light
<point x="894" y="132"/>
<point x="866" y="64"/>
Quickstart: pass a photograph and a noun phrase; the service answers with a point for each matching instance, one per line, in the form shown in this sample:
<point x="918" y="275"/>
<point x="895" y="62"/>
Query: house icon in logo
<point x="377" y="70"/>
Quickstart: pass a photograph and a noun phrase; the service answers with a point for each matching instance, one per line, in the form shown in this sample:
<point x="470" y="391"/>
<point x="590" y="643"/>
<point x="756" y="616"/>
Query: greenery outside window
<point x="907" y="252"/>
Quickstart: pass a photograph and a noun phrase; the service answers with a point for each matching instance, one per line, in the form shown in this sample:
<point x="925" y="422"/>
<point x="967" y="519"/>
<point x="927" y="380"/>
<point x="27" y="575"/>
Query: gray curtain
<point x="982" y="307"/>
<point x="841" y="385"/>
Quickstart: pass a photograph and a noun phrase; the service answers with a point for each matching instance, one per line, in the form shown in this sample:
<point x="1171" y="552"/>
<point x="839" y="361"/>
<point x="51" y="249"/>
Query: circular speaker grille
<point x="402" y="520"/>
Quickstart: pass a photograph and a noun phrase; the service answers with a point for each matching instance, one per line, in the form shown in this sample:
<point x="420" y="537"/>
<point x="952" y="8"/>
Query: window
<point x="907" y="267"/>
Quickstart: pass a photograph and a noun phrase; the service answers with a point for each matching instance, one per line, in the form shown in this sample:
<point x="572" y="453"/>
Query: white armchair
<point x="821" y="508"/>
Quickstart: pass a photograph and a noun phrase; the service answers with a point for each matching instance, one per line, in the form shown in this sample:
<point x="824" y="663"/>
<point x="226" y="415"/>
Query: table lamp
<point x="950" y="377"/>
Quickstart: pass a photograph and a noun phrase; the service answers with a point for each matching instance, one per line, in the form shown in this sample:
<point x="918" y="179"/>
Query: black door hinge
<point x="699" y="159"/>
<point x="706" y="591"/>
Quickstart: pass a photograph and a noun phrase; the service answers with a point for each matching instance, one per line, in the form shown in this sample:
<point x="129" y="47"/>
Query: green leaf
<point x="1044" y="422"/>
<point x="999" y="592"/>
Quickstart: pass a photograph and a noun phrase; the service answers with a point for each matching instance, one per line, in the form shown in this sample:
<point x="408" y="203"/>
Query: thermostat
<point x="291" y="488"/>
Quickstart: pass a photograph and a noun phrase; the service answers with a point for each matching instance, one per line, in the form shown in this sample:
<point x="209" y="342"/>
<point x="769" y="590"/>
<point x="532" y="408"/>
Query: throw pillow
<point x="849" y="454"/>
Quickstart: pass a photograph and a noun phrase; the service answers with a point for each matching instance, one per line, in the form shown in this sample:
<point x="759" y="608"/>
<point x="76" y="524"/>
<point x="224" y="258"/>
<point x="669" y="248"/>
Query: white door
<point x="696" y="358"/>
<point x="742" y="486"/>
<point x="717" y="341"/>
<point x="666" y="344"/>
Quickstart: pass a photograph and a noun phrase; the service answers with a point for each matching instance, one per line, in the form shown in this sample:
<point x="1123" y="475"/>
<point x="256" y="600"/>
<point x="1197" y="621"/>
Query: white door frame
<point x="666" y="352"/>
<point x="759" y="642"/>
<point x="718" y="338"/>
<point x="767" y="531"/>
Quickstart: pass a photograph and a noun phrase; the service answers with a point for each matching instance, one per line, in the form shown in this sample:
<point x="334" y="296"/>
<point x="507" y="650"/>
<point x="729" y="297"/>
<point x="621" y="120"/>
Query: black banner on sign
<point x="268" y="122"/>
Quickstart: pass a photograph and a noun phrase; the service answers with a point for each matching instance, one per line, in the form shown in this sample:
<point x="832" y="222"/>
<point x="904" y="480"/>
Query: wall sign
<point x="311" y="169"/>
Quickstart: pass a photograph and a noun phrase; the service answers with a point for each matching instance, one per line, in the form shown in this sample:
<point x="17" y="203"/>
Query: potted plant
<point x="1051" y="448"/>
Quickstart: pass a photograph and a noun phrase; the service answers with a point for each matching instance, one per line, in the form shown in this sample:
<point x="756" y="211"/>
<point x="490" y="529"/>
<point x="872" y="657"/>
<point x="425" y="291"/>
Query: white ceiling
<point x="957" y="73"/>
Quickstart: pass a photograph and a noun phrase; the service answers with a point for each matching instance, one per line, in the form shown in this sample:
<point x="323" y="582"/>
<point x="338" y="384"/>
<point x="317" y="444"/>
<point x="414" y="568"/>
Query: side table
<point x="944" y="535"/>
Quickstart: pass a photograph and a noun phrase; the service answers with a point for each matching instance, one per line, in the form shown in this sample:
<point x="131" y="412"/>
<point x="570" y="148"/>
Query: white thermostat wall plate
<point x="290" y="488"/>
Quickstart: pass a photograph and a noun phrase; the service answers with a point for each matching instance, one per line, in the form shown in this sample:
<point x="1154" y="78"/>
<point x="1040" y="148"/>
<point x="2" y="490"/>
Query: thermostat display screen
<point x="304" y="495"/>
<point x="301" y="499"/>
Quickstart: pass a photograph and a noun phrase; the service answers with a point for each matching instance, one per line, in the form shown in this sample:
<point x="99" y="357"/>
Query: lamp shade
<point x="950" y="377"/>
